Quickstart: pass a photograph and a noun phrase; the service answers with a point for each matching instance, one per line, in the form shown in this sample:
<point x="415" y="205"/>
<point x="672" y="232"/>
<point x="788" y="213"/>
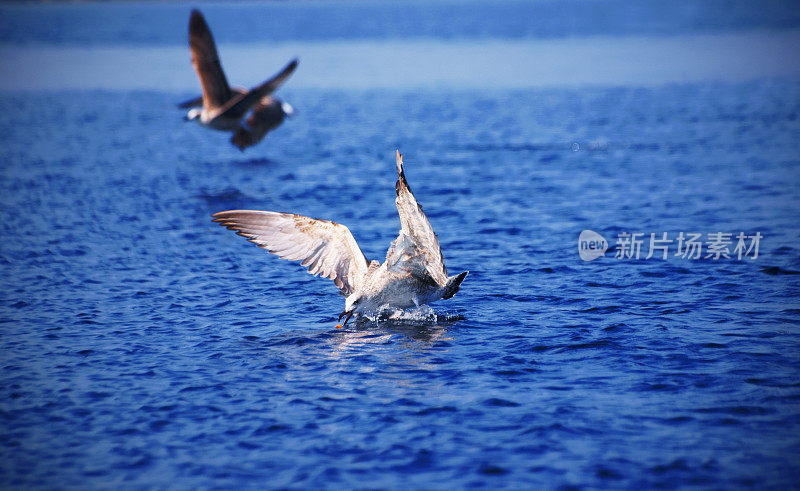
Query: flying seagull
<point x="413" y="273"/>
<point x="224" y="108"/>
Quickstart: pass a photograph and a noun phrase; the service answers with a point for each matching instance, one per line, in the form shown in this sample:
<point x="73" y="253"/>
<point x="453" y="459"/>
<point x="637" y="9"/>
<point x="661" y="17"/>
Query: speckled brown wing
<point x="205" y="60"/>
<point x="237" y="107"/>
<point x="424" y="256"/>
<point x="266" y="115"/>
<point x="326" y="248"/>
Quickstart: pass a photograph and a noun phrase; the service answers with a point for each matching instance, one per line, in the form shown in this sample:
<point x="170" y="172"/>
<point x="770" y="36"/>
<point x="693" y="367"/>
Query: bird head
<point x="351" y="304"/>
<point x="193" y="114"/>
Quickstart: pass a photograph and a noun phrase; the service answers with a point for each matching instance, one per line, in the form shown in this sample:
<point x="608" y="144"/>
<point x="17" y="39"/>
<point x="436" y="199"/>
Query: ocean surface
<point x="143" y="346"/>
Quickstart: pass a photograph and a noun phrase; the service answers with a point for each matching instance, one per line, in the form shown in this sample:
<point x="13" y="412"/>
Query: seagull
<point x="224" y="108"/>
<point x="413" y="273"/>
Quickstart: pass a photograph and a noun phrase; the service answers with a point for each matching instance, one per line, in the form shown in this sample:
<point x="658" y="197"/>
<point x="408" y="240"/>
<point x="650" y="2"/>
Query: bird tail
<point x="453" y="283"/>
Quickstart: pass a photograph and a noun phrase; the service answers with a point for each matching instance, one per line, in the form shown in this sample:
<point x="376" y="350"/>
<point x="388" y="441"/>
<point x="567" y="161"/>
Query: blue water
<point x="154" y="23"/>
<point x="142" y="345"/>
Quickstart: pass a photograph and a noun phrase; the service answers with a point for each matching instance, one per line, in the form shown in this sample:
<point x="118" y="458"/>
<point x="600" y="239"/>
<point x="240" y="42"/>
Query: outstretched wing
<point x="324" y="247"/>
<point x="238" y="106"/>
<point x="198" y="101"/>
<point x="205" y="60"/>
<point x="422" y="253"/>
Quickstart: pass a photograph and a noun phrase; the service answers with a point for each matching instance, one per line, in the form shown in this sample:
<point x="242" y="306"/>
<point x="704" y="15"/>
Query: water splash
<point x="422" y="315"/>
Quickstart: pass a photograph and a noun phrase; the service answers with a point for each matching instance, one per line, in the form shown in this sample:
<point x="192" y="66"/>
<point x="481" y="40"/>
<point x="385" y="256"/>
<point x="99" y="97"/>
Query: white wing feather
<point x="326" y="248"/>
<point x="421" y="255"/>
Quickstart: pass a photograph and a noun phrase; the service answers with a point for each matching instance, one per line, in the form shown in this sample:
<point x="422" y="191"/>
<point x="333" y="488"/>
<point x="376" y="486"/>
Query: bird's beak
<point x="349" y="315"/>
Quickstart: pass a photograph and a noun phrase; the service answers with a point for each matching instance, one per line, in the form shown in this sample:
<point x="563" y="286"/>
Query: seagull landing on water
<point x="223" y="108"/>
<point x="413" y="273"/>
